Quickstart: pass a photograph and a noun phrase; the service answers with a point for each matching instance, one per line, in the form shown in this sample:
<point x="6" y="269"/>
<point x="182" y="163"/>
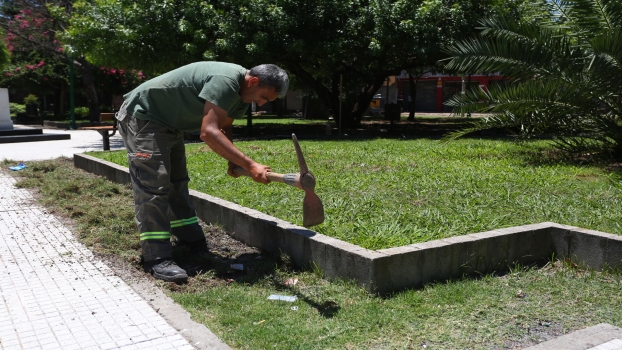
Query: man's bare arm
<point x="216" y="133"/>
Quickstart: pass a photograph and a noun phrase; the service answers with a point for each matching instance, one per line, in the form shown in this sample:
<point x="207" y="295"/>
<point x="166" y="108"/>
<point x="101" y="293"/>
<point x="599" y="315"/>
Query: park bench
<point x="104" y="130"/>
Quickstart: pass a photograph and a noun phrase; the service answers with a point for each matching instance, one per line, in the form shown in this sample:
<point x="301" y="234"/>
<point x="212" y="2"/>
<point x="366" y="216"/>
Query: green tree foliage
<point x="316" y="40"/>
<point x="567" y="71"/>
<point x="152" y="35"/>
<point x="5" y="56"/>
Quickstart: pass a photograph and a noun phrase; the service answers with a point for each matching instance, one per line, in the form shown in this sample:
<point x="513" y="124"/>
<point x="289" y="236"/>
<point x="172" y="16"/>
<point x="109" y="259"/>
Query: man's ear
<point x="253" y="81"/>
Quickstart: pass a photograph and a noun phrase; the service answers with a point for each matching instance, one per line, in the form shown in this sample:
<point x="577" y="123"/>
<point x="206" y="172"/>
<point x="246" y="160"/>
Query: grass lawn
<point x="385" y="193"/>
<point x="520" y="308"/>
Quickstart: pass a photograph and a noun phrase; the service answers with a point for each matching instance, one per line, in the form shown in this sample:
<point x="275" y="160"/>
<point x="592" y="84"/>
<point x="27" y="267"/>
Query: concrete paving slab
<point x="81" y="141"/>
<point x="55" y="294"/>
<point x="602" y="336"/>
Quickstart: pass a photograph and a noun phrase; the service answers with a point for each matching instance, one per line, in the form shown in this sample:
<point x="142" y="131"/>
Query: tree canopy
<point x="316" y="40"/>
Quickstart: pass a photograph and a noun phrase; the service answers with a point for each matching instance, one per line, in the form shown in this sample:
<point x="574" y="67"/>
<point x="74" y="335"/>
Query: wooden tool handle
<point x="290" y="179"/>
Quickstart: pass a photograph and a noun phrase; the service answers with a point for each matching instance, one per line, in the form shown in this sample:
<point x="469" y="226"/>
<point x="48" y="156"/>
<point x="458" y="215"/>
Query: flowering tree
<point x="38" y="78"/>
<point x="31" y="27"/>
<point x="118" y="81"/>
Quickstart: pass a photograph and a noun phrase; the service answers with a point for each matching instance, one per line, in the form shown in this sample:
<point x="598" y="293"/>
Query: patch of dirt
<point x="587" y="177"/>
<point x="535" y="333"/>
<point x="227" y="260"/>
<point x="223" y="245"/>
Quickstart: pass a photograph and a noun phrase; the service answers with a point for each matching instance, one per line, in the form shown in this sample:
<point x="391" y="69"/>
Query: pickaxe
<point x="312" y="208"/>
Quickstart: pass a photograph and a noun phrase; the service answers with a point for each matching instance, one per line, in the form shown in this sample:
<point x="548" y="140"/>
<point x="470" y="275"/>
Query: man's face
<point x="260" y="95"/>
<point x="263" y="95"/>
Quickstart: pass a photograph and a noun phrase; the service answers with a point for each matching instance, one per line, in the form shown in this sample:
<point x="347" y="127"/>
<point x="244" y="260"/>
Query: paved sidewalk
<point x="81" y="141"/>
<point x="54" y="294"/>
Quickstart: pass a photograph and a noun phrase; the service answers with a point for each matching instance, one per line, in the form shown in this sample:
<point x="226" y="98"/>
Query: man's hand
<point x="216" y="133"/>
<point x="230" y="170"/>
<point x="258" y="172"/>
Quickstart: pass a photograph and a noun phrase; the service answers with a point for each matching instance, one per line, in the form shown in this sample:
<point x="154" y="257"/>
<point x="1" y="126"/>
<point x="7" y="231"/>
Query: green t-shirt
<point x="177" y="99"/>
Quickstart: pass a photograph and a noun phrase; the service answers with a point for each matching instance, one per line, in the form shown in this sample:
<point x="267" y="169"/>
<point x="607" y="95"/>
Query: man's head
<point x="264" y="83"/>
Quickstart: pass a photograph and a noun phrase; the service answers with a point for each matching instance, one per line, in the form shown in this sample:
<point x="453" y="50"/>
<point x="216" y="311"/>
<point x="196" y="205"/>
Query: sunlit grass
<point x="386" y="193"/>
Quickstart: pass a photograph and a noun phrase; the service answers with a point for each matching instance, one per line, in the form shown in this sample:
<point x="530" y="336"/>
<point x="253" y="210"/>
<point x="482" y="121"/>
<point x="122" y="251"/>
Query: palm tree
<point x="566" y="71"/>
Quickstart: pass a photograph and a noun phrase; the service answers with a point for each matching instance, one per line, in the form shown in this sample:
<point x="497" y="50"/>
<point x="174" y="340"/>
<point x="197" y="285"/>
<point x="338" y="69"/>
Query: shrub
<point x="31" y="99"/>
<point x="81" y="111"/>
<point x="16" y="108"/>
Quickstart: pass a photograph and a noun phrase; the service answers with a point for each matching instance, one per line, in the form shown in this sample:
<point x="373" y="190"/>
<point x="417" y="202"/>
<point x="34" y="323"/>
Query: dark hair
<point x="272" y="76"/>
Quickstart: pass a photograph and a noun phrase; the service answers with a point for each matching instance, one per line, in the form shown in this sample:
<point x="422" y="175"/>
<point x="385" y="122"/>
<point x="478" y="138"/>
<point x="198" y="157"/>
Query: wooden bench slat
<point x="105" y="127"/>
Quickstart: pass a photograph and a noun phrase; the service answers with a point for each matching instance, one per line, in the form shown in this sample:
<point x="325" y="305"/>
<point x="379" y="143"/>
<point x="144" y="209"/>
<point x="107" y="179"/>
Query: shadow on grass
<point x="216" y="267"/>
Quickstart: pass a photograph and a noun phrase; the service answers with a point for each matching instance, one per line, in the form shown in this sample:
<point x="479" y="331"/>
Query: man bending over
<point x="202" y="96"/>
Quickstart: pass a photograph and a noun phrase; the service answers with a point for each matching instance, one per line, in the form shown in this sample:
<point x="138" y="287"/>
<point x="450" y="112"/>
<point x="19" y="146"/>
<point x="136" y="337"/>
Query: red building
<point x="434" y="89"/>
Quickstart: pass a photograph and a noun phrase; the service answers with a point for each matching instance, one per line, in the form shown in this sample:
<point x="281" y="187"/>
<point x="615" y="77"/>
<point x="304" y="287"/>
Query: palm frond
<point x="553" y="96"/>
<point x="607" y="61"/>
<point x="596" y="16"/>
<point x="495" y="121"/>
<point x="567" y="71"/>
<point x="555" y="13"/>
<point x="515" y="49"/>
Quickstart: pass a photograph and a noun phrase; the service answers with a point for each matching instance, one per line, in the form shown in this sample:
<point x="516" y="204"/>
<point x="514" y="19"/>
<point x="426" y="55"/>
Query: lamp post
<point x="469" y="85"/>
<point x="72" y="115"/>
<point x="340" y="93"/>
<point x="249" y="120"/>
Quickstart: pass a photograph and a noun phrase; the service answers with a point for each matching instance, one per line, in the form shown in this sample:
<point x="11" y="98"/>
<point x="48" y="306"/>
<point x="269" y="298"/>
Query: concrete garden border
<point x="386" y="270"/>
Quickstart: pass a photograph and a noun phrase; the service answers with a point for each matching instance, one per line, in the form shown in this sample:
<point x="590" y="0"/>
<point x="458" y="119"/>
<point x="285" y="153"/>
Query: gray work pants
<point x="157" y="162"/>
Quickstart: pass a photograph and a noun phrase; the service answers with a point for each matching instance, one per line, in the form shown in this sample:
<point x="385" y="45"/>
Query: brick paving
<point x="54" y="294"/>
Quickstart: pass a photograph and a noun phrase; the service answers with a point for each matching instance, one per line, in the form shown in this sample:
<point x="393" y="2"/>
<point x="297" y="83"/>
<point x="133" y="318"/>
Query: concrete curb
<point x="587" y="338"/>
<point x="393" y="269"/>
<point x="196" y="333"/>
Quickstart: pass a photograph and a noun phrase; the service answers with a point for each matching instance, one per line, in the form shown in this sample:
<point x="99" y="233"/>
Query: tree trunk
<point x="413" y="96"/>
<point x="279" y="106"/>
<point x="89" y="88"/>
<point x="364" y="98"/>
<point x="58" y="102"/>
<point x="334" y="88"/>
<point x="324" y="94"/>
<point x="330" y="97"/>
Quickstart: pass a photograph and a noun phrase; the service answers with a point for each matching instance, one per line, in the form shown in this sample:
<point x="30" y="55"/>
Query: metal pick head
<point x="301" y="158"/>
<point x="312" y="209"/>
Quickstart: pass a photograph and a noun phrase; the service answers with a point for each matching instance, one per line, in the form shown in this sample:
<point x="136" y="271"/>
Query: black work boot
<point x="166" y="269"/>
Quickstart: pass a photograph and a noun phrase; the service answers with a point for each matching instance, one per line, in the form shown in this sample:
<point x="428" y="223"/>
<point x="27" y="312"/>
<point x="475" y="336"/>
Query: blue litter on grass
<point x="283" y="297"/>
<point x="19" y="166"/>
